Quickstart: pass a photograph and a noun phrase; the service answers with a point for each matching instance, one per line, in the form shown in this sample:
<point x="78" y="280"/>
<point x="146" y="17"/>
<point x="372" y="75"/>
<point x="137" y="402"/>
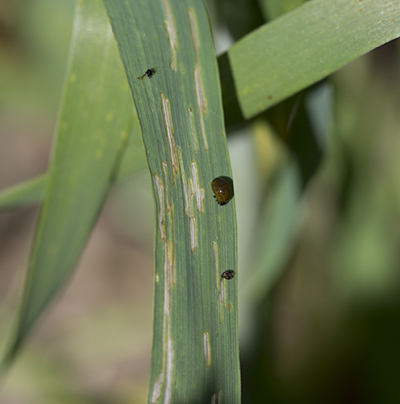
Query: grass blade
<point x="23" y="194"/>
<point x="92" y="133"/>
<point x="300" y="48"/>
<point x="195" y="345"/>
<point x="274" y="8"/>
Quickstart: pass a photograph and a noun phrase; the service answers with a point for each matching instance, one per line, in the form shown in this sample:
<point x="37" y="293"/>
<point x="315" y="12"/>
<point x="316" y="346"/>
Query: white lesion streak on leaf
<point x="164" y="379"/>
<point x="216" y="399"/>
<point x="166" y="109"/>
<point x="193" y="131"/>
<point x="189" y="190"/>
<point x="168" y="341"/>
<point x="216" y="263"/>
<point x="222" y="299"/>
<point x="193" y="233"/>
<point x="171" y="32"/>
<point x="161" y="227"/>
<point x="203" y="132"/>
<point x="169" y="218"/>
<point x="199" y="196"/>
<point x="193" y="28"/>
<point x="198" y="192"/>
<point x="199" y="88"/>
<point x="207" y="348"/>
<point x="187" y="187"/>
<point x="161" y="212"/>
<point x="165" y="172"/>
<point x="157" y="387"/>
<point x="201" y="104"/>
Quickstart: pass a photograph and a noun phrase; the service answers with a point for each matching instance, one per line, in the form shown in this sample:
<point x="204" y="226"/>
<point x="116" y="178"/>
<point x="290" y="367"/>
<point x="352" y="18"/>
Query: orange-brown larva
<point x="222" y="190"/>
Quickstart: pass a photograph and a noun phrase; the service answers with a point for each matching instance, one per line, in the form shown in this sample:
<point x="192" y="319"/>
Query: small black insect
<point x="149" y="73"/>
<point x="229" y="274"/>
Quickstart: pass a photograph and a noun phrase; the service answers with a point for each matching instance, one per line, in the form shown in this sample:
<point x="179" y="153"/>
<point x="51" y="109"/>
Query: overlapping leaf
<point x="92" y="133"/>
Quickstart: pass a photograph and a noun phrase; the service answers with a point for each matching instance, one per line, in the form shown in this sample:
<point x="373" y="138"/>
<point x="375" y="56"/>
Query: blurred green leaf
<point x="27" y="193"/>
<point x="240" y="16"/>
<point x="92" y="133"/>
<point x="195" y="346"/>
<point x="31" y="191"/>
<point x="275" y="8"/>
<point x="278" y="230"/>
<point x="299" y="49"/>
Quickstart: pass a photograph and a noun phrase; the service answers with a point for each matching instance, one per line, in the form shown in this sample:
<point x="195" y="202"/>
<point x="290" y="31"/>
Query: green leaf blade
<point x="195" y="342"/>
<point x="92" y="133"/>
<point x="23" y="194"/>
<point x="306" y="45"/>
<point x="30" y="192"/>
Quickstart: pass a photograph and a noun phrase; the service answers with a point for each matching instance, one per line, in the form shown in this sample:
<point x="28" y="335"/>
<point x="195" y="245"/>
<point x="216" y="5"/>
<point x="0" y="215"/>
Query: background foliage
<point x="317" y="208"/>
